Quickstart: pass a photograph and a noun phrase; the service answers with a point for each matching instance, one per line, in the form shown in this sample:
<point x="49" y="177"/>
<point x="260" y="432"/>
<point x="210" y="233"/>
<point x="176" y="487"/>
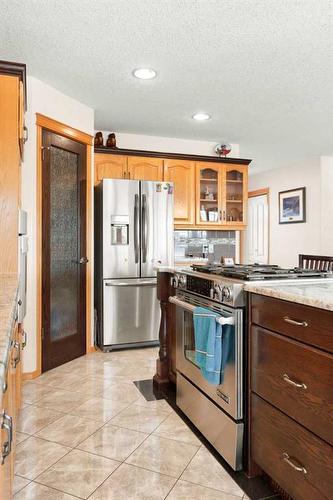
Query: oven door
<point x="229" y="394"/>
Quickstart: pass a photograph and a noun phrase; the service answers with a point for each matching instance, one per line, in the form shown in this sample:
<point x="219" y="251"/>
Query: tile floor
<point x="85" y="431"/>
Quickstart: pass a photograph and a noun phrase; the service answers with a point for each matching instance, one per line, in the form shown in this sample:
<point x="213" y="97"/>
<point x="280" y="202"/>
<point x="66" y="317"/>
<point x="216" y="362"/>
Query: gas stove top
<point x="258" y="272"/>
<point x="225" y="284"/>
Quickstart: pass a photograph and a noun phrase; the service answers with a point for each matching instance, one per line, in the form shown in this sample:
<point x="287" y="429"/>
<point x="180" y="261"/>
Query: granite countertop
<point x="8" y="313"/>
<point x="317" y="293"/>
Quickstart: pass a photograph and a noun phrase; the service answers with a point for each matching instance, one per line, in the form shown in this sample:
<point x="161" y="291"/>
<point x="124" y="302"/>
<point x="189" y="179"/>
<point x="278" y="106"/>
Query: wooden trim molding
<point x="174" y="156"/>
<point x="62" y="129"/>
<point x="258" y="192"/>
<point x="76" y="135"/>
<point x="30" y="375"/>
<point x="15" y="69"/>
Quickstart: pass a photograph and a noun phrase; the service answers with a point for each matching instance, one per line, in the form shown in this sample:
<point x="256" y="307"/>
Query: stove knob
<point x="182" y="281"/>
<point x="227" y="293"/>
<point x="218" y="294"/>
<point x="175" y="281"/>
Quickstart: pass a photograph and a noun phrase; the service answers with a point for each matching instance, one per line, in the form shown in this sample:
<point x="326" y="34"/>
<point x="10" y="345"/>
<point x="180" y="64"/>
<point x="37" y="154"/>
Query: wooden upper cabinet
<point x="146" y="169"/>
<point x="209" y="194"/>
<point x="236" y="194"/>
<point x="182" y="174"/>
<point x="110" y="167"/>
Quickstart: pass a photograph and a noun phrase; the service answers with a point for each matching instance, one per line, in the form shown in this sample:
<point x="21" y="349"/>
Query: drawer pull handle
<point x="295" y="322"/>
<point x="300" y="385"/>
<point x="290" y="462"/>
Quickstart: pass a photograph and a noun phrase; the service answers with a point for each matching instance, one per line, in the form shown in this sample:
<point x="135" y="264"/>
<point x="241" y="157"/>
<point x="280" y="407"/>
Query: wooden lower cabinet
<point x="290" y="396"/>
<point x="7" y="463"/>
<point x="300" y="462"/>
<point x="10" y="405"/>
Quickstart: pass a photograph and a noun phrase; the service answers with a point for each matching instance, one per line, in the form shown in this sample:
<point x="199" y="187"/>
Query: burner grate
<point x="260" y="272"/>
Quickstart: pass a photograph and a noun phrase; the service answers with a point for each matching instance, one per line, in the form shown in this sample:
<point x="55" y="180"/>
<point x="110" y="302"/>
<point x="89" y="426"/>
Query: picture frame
<point x="292" y="206"/>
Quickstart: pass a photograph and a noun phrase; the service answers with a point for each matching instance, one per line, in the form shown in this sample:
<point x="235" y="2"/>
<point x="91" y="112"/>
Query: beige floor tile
<point x="174" y="428"/>
<point x="156" y="403"/>
<point x="204" y="469"/>
<point x="69" y="430"/>
<point x="122" y="391"/>
<point x="163" y="455"/>
<point x="36" y="491"/>
<point x="33" y="418"/>
<point x="79" y="473"/>
<point x="89" y="385"/>
<point x="113" y="442"/>
<point x="100" y="409"/>
<point x="185" y="491"/>
<point x="59" y="379"/>
<point x="140" y="418"/>
<point x="132" y="483"/>
<point x="21" y="436"/>
<point x="64" y="400"/>
<point x="19" y="483"/>
<point x="35" y="455"/>
<point x="32" y="392"/>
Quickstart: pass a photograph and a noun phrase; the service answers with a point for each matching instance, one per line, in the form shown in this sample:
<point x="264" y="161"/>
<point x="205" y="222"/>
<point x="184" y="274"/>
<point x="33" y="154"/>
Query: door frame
<point x="44" y="122"/>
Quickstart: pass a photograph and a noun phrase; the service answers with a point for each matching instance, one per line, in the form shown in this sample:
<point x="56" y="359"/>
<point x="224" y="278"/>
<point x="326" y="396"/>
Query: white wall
<point x="168" y="144"/>
<point x="326" y="205"/>
<point x="289" y="240"/>
<point x="45" y="100"/>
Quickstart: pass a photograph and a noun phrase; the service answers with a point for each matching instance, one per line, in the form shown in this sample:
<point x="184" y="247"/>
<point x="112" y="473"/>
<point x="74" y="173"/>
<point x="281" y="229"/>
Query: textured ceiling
<point x="262" y="68"/>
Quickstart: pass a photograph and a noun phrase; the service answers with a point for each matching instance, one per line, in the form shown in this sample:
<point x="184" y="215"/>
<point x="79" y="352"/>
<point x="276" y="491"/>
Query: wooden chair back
<point x="319" y="262"/>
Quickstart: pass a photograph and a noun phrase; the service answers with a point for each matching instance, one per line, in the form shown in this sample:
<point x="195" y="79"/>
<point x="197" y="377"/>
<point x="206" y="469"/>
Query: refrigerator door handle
<point x="123" y="283"/>
<point x="136" y="228"/>
<point x="144" y="228"/>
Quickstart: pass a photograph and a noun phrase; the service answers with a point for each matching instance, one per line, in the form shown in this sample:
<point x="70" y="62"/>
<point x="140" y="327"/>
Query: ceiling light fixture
<point x="200" y="117"/>
<point x="144" y="73"/>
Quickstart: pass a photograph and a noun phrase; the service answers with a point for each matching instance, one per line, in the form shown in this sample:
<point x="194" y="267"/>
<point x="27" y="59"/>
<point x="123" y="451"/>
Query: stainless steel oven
<point x="216" y="410"/>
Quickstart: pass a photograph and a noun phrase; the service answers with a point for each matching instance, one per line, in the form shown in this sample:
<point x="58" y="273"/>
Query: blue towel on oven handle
<point x="208" y="344"/>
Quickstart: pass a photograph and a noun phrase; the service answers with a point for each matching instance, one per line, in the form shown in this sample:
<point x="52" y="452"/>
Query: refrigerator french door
<point x="134" y="234"/>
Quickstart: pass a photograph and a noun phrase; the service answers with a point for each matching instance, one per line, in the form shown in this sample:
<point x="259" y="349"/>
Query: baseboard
<point x="30" y="375"/>
<point x="91" y="349"/>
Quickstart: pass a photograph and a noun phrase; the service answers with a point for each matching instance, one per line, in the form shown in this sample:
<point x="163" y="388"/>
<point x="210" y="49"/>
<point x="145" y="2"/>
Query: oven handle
<point x="188" y="307"/>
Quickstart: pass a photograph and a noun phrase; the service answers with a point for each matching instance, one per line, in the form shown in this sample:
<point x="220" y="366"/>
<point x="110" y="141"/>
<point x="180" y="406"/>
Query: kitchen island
<point x="314" y="294"/>
<point x="290" y="397"/>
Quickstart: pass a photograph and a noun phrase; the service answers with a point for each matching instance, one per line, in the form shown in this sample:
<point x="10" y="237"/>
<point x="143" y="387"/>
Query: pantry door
<point x="63" y="250"/>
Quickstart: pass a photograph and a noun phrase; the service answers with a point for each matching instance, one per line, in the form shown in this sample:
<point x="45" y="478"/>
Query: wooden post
<point x="161" y="376"/>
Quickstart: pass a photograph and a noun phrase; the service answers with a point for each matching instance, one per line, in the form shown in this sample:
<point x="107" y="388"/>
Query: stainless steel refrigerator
<point x="133" y="235"/>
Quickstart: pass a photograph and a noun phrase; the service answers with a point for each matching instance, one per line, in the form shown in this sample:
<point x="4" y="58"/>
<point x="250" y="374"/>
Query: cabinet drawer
<point x="307" y="324"/>
<point x="278" y="364"/>
<point x="296" y="459"/>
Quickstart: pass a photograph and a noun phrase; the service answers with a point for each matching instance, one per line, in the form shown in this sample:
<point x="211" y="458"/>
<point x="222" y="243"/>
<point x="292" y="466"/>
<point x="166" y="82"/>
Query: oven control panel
<point x="221" y="291"/>
<point x="199" y="286"/>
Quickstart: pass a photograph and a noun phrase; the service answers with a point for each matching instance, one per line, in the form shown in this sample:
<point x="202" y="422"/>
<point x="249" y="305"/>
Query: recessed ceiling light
<point x="201" y="116"/>
<point x="144" y="73"/>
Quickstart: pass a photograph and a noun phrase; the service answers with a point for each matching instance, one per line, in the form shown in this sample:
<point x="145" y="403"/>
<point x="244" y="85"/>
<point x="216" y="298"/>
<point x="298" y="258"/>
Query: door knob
<point x="83" y="260"/>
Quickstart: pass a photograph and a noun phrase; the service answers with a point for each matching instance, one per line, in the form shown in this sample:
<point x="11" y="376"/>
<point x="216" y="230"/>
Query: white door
<point x="257" y="233"/>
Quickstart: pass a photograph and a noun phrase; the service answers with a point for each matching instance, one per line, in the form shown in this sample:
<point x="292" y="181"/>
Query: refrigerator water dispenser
<point x="119" y="230"/>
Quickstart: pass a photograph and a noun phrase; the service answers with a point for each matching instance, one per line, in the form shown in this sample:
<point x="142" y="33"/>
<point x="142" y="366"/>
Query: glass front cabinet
<point x="235" y="195"/>
<point x="209" y="196"/>
<point x="221" y="194"/>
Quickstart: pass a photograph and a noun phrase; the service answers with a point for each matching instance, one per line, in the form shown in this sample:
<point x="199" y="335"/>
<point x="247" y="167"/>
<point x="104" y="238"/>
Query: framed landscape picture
<point x="292" y="206"/>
